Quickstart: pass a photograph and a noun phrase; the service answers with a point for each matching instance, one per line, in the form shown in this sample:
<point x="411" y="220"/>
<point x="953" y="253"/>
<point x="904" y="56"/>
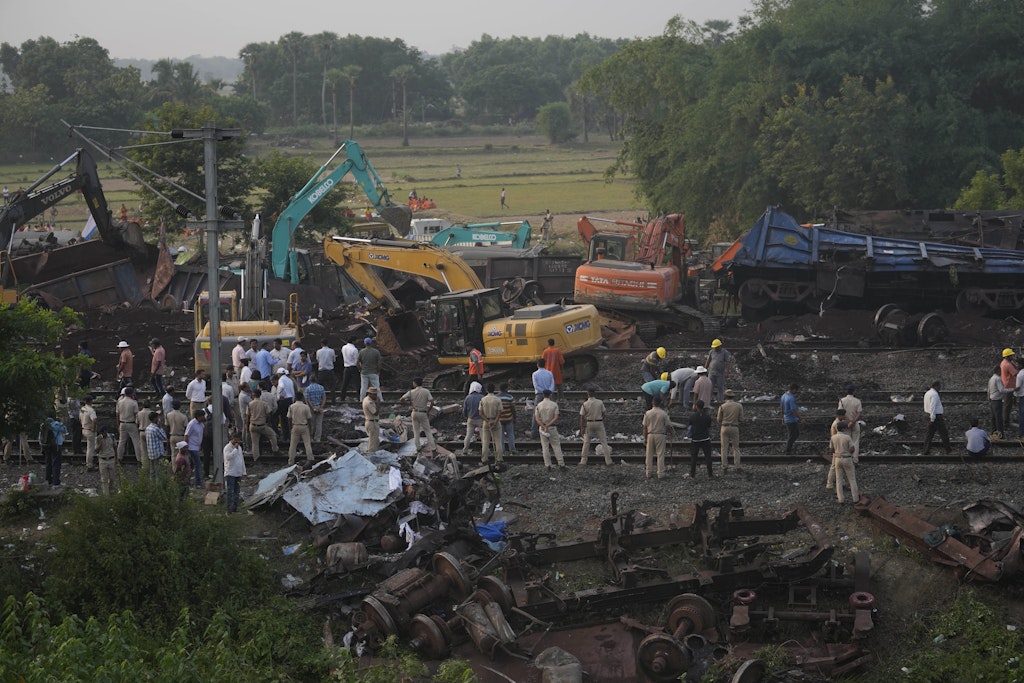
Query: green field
<point x="568" y="179"/>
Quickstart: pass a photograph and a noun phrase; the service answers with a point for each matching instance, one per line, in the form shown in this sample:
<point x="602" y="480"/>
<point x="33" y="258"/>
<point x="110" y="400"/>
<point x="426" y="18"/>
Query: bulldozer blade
<point x="398" y="216"/>
<point x="401" y="333"/>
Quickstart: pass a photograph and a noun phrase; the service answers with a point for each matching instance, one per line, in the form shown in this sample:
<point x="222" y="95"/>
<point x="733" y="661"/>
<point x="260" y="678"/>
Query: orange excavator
<point x="641" y="270"/>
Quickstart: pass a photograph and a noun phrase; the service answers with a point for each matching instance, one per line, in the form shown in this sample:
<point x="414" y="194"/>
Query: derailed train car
<point x="780" y="266"/>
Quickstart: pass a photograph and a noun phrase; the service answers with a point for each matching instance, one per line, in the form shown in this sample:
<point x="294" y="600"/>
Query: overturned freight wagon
<point x="780" y="266"/>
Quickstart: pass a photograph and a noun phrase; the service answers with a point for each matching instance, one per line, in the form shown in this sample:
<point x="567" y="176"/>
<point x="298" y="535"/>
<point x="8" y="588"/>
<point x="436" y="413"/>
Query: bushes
<point x="148" y="551"/>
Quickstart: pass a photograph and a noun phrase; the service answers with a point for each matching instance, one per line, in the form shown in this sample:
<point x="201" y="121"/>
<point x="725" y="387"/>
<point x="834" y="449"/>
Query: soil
<point x="572" y="502"/>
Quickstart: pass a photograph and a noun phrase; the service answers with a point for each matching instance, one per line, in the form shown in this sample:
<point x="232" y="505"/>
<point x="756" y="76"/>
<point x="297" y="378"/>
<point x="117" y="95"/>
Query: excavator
<point x="37" y="198"/>
<point x="283" y="256"/>
<point x="468" y="314"/>
<point x="485" y="234"/>
<point x="642" y="271"/>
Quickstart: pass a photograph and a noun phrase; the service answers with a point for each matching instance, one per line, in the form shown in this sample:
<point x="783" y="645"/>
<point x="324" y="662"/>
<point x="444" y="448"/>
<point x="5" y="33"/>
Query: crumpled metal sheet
<point x="349" y="484"/>
<point x="272" y="486"/>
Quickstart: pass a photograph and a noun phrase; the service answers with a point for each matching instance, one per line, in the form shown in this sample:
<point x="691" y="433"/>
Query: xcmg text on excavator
<point x="469" y="313"/>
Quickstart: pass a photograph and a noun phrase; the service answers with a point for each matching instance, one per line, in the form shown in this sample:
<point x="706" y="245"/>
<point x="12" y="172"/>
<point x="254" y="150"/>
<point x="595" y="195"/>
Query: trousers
<point x="730" y="442"/>
<point x="300" y="432"/>
<point x="655" y="449"/>
<point x="595" y="431"/>
<point x="845" y="470"/>
<point x="421" y="423"/>
<point x="551" y="442"/>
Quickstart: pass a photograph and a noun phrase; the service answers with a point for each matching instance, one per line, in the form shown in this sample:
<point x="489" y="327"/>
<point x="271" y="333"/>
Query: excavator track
<point x="695" y="320"/>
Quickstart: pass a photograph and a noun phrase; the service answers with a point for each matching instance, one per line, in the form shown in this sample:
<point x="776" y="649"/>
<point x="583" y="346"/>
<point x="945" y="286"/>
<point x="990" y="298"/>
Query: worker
<point x="790" y="416"/>
<point x="651" y="366"/>
<point x="471" y="411"/>
<point x="936" y="418"/>
<point x="996" y="393"/>
<point x="542" y="380"/>
<point x="730" y="414"/>
<point x="657" y="387"/>
<point x="657" y="428"/>
<point x="553" y="361"/>
<point x="1008" y="374"/>
<point x="508" y="419"/>
<point x="701" y="387"/>
<point x="684" y="379"/>
<point x="546" y="415"/>
<point x="830" y="479"/>
<point x="592" y="427"/>
<point x="717" y="363"/>
<point x="854" y="412"/>
<point x="700" y="438"/>
<point x="476" y="366"/>
<point x="978" y="442"/>
<point x="371" y="411"/>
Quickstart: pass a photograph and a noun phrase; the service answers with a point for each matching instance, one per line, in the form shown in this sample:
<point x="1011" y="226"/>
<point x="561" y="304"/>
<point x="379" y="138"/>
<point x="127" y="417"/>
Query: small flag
<point x="89" y="231"/>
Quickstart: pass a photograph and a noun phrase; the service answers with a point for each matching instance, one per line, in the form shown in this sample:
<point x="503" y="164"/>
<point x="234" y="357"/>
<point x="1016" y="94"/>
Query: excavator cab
<point x="612" y="247"/>
<point x="459" y="319"/>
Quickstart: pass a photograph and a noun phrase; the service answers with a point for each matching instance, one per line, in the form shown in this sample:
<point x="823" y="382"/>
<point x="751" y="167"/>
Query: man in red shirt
<point x="553" y="361"/>
<point x="476" y="366"/>
<point x="1008" y="374"/>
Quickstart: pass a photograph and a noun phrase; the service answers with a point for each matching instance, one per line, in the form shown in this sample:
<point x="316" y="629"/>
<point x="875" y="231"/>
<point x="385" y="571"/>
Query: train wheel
<point x="754" y="294"/>
<point x="969" y="301"/>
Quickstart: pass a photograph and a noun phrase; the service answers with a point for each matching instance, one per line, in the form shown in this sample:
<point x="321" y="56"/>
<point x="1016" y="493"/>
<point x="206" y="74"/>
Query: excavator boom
<point x="485" y="234"/>
<point x="322" y="182"/>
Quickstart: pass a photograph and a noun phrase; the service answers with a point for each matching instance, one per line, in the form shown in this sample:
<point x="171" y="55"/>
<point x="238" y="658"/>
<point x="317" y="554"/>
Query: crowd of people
<point x="277" y="394"/>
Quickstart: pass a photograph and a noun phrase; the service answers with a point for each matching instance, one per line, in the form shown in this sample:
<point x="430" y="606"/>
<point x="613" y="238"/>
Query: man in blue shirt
<point x="542" y="380"/>
<point x="265" y="361"/>
<point x="791" y="416"/>
<point x="658" y="387"/>
<point x="315" y="400"/>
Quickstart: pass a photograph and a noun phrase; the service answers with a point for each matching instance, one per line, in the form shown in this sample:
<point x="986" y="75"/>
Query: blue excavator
<point x="284" y="259"/>
<point x="485" y="235"/>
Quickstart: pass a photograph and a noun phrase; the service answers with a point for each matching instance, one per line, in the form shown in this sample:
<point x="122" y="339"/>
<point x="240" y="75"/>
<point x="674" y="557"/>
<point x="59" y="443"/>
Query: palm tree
<point x="332" y="76"/>
<point x="291" y="42"/>
<point x="248" y="55"/>
<point x="351" y="72"/>
<point x="402" y="74"/>
<point x="323" y="45"/>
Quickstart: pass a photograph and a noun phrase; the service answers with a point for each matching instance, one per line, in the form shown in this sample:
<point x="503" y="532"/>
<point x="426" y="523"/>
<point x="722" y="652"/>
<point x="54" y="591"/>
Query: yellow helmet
<point x="661" y="352"/>
<point x="664" y="375"/>
<point x="1006" y="352"/>
<point x="716" y="343"/>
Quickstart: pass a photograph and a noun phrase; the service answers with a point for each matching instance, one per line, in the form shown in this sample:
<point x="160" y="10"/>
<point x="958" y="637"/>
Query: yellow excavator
<point x="469" y="313"/>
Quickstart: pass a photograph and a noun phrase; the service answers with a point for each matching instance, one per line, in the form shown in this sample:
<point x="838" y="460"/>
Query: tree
<point x="555" y="121"/>
<point x="280" y="177"/>
<point x="402" y="74"/>
<point x="333" y="76"/>
<point x="323" y="46"/>
<point x="292" y="43"/>
<point x="351" y="74"/>
<point x="30" y="370"/>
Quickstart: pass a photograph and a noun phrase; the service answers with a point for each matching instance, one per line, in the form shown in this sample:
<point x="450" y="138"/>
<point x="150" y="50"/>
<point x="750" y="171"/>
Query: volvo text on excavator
<point x="283" y="256"/>
<point x="469" y="313"/>
<point x="37" y="198"/>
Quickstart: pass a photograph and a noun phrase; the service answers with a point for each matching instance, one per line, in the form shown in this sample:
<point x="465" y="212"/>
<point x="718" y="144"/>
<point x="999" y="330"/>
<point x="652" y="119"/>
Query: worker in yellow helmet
<point x="653" y="364"/>
<point x="717" y="363"/>
<point x="1008" y="374"/>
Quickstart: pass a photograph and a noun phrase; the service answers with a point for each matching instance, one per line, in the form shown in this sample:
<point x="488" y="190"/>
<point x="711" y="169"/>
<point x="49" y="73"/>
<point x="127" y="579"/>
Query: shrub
<point x="149" y="551"/>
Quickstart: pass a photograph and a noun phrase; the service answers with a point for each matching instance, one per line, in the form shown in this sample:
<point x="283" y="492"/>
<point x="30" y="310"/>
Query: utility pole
<point x="210" y="134"/>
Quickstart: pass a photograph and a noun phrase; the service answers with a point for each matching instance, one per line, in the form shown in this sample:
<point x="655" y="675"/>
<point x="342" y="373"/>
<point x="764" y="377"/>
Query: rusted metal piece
<point x="662" y="658"/>
<point x="936" y="543"/>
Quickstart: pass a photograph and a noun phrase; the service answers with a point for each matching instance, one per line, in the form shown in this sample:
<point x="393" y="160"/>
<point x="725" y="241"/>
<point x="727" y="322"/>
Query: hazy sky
<point x="220" y="28"/>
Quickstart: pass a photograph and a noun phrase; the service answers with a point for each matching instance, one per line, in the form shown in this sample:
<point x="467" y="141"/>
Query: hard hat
<point x="1007" y="353"/>
<point x="664" y="375"/>
<point x="661" y="352"/>
<point x="716" y="343"/>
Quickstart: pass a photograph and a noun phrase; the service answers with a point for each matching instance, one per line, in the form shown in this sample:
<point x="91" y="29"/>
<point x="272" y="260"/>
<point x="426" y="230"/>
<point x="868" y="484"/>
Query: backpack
<point x="46" y="436"/>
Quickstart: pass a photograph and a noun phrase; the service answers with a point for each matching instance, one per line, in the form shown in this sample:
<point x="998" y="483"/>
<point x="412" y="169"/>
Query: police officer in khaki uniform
<point x="422" y="401"/>
<point x="259" y="417"/>
<point x="300" y="417"/>
<point x="546" y="415"/>
<point x="127" y="427"/>
<point x="842" y="450"/>
<point x="592" y="427"/>
<point x="730" y="414"/>
<point x="657" y="428"/>
<point x="490" y="428"/>
<point x="371" y="413"/>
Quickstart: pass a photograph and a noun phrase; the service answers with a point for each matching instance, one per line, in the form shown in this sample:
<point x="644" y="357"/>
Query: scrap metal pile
<point x="457" y="582"/>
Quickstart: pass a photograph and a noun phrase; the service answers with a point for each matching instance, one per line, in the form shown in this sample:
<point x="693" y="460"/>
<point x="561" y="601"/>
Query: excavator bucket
<point x="401" y="334"/>
<point x="398" y="216"/>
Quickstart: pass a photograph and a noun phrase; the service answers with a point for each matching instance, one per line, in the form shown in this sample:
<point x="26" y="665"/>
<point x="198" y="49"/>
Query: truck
<point x="283" y="256"/>
<point x="781" y="266"/>
<point x="468" y="314"/>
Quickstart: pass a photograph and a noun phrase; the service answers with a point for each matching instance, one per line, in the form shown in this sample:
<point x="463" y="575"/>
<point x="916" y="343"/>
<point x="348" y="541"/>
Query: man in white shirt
<point x="195" y="392"/>
<point x="237" y="354"/>
<point x="936" y="421"/>
<point x="349" y="358"/>
<point x="293" y="355"/>
<point x="280" y="356"/>
<point x="325" y="358"/>
<point x="285" y="398"/>
<point x="978" y="441"/>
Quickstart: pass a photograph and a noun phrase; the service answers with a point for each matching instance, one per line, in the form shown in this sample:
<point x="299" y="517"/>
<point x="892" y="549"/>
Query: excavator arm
<point x="659" y="234"/>
<point x="486" y="234"/>
<point x="282" y="253"/>
<point x="36" y="199"/>
<point x="357" y="256"/>
<point x="586" y="228"/>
